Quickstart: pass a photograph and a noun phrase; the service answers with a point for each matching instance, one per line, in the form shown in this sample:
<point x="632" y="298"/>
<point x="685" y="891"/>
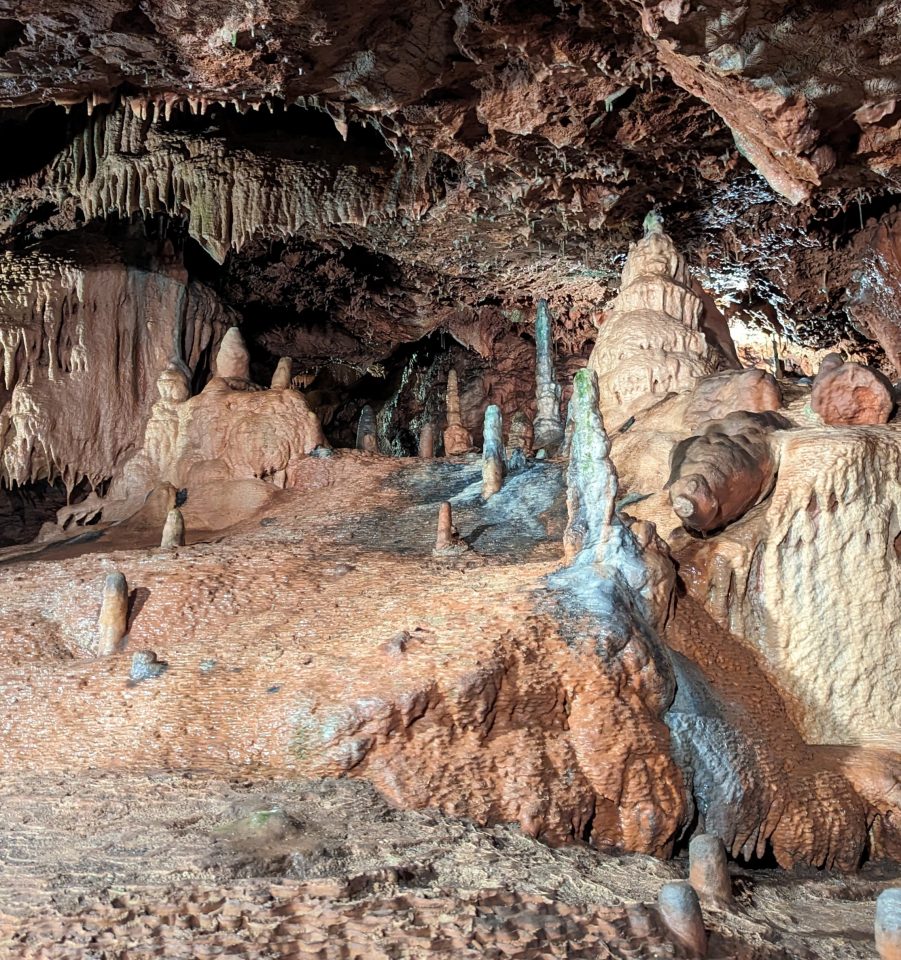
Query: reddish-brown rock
<point x="851" y="395"/>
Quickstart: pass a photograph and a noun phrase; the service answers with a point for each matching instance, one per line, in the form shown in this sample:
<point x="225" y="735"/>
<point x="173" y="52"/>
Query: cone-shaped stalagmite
<point x="233" y="360"/>
<point x="708" y="868"/>
<point x="447" y="542"/>
<point x="681" y="912"/>
<point x="457" y="439"/>
<point x="367" y="440"/>
<point x="281" y="378"/>
<point x="494" y="464"/>
<point x="548" y="424"/>
<point x="173" y="529"/>
<point x="112" y="623"/>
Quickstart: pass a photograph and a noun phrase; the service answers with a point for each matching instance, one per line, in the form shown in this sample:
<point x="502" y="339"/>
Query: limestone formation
<point x="426" y="446"/>
<point x="448" y="543"/>
<point x="595" y="533"/>
<point x="83" y="338"/>
<point x="850" y="394"/>
<point x="281" y="377"/>
<point x="521" y="435"/>
<point x="732" y="391"/>
<point x="548" y="427"/>
<point x="173" y="384"/>
<point x="173" y="529"/>
<point x="681" y="912"/>
<point x="367" y="437"/>
<point x="457" y="439"/>
<point x="112" y="624"/>
<point x="652" y="342"/>
<point x="221" y="434"/>
<point x="233" y="359"/>
<point x="494" y="462"/>
<point x="709" y="869"/>
<point x="771" y="578"/>
<point x="888" y="924"/>
<point x="718" y="474"/>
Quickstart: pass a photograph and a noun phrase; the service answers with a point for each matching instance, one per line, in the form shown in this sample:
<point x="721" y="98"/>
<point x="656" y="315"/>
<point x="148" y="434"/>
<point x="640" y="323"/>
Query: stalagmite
<point x="521" y="434"/>
<point x="681" y="912"/>
<point x="447" y="542"/>
<point x="173" y="529"/>
<point x="494" y="464"/>
<point x="457" y="439"/>
<point x="653" y="340"/>
<point x="427" y="441"/>
<point x="596" y="535"/>
<point x="281" y="378"/>
<point x="888" y="924"/>
<point x="709" y="869"/>
<point x="548" y="428"/>
<point x="233" y="359"/>
<point x="112" y="623"/>
<point x="591" y="481"/>
<point x="367" y="439"/>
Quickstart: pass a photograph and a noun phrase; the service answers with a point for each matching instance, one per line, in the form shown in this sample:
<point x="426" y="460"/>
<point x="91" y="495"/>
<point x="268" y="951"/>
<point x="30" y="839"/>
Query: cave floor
<point x="193" y="865"/>
<point x="150" y="820"/>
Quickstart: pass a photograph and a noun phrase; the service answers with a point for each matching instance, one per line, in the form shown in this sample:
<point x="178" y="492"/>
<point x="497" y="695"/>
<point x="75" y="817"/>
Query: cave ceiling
<point x="356" y="176"/>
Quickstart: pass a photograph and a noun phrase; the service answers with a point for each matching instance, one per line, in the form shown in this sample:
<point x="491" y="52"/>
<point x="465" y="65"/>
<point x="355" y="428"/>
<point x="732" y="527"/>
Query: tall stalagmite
<point x="548" y="425"/>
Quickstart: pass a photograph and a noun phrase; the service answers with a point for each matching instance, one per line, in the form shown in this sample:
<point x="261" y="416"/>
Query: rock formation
<point x="173" y="529"/>
<point x="281" y="377"/>
<point x="367" y="438"/>
<point x="426" y="445"/>
<point x="521" y="435"/>
<point x="548" y="427"/>
<point x="849" y="394"/>
<point x="232" y="360"/>
<point x="652" y="341"/>
<point x="112" y="624"/>
<point x="447" y="541"/>
<point x="681" y="912"/>
<point x="708" y="869"/>
<point x="888" y="924"/>
<point x="494" y="461"/>
<point x="719" y="474"/>
<point x="457" y="439"/>
<point x="83" y="338"/>
<point x="769" y="578"/>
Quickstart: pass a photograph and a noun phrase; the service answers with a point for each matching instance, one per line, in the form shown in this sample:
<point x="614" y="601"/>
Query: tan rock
<point x="233" y="359"/>
<point x="651" y="342"/>
<point x="457" y="439"/>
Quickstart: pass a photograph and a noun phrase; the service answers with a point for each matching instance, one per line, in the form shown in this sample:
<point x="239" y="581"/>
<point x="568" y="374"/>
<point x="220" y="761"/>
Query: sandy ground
<point x="164" y="865"/>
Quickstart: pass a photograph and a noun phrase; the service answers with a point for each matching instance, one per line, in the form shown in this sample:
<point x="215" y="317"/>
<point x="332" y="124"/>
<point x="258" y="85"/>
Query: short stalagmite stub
<point x="680" y="911"/>
<point x="888" y="924"/>
<point x="367" y="437"/>
<point x="709" y="869"/>
<point x="112" y="624"/>
<point x="173" y="529"/>
<point x="448" y="542"/>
